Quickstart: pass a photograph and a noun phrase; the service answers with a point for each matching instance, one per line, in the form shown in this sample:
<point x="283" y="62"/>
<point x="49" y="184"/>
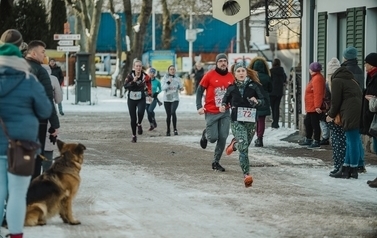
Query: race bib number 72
<point x="246" y="114"/>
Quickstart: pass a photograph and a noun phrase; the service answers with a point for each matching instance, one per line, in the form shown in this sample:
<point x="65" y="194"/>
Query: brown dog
<point x="52" y="192"/>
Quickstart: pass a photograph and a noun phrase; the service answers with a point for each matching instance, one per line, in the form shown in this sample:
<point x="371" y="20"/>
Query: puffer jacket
<point x="260" y="65"/>
<point x="22" y="103"/>
<point x="315" y="92"/>
<point x="345" y="98"/>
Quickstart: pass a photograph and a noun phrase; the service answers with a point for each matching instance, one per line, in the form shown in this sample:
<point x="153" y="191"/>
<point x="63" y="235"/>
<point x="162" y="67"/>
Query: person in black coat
<point x="278" y="80"/>
<point x="243" y="96"/>
<point x="197" y="73"/>
<point x="57" y="72"/>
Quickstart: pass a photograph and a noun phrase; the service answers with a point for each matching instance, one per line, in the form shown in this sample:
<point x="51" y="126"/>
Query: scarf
<point x="241" y="85"/>
<point x="16" y="63"/>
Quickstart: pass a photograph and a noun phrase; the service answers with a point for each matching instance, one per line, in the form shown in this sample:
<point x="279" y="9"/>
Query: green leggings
<point x="244" y="133"/>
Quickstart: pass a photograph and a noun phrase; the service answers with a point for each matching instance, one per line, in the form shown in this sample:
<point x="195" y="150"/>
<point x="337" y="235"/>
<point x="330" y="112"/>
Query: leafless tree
<point x="88" y="13"/>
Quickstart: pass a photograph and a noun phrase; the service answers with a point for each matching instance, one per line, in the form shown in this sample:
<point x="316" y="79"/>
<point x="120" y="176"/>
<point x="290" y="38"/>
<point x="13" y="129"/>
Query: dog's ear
<point x="80" y="148"/>
<point x="60" y="144"/>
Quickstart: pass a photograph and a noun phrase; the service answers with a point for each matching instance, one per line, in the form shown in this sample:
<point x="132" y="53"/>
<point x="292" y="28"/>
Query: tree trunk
<point x="118" y="39"/>
<point x="166" y="26"/>
<point x="92" y="39"/>
<point x="128" y="13"/>
<point x="138" y="39"/>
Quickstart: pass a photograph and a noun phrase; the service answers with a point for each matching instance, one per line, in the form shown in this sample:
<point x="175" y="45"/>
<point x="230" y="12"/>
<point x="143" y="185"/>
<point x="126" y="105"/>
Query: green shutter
<point x="322" y="39"/>
<point x="356" y="31"/>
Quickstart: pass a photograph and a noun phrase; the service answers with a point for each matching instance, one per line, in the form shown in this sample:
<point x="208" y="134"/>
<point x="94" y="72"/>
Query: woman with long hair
<point x="243" y="97"/>
<point x="171" y="85"/>
<point x="138" y="85"/>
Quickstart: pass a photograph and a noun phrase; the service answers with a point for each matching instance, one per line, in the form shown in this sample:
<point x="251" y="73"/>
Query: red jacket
<point x="315" y="92"/>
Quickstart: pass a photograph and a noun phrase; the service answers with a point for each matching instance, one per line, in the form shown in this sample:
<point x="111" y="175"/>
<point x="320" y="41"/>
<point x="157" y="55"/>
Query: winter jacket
<point x="357" y="72"/>
<point x="142" y="84"/>
<point x="366" y="114"/>
<point x="278" y="79"/>
<point x="260" y="65"/>
<point x="58" y="93"/>
<point x="44" y="79"/>
<point x="22" y="103"/>
<point x="57" y="72"/>
<point x="314" y="92"/>
<point x="171" y="89"/>
<point x="234" y="97"/>
<point x="345" y="99"/>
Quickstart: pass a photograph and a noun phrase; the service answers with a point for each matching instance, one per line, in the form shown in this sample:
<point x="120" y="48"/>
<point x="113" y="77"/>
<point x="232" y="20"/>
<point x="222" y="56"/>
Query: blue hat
<point x="152" y="70"/>
<point x="350" y="53"/>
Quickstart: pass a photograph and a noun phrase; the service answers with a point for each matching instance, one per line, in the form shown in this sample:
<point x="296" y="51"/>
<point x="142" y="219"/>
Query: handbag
<point x="373" y="127"/>
<point x="21" y="155"/>
<point x="325" y="106"/>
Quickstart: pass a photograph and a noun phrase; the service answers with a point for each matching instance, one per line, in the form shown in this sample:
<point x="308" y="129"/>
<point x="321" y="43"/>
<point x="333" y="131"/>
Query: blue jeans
<point x="353" y="145"/>
<point x="150" y="110"/>
<point x="325" y="129"/>
<point x="13" y="189"/>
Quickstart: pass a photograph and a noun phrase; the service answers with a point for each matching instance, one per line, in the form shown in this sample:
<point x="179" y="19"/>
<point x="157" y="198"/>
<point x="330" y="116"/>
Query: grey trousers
<point x="217" y="126"/>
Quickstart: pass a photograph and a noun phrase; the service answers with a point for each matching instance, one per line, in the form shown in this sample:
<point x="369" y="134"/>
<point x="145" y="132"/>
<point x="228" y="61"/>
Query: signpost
<point x="66" y="44"/>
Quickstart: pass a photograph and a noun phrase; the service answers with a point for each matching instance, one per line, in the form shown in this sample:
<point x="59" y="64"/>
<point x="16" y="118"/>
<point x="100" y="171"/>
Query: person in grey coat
<point x="23" y="101"/>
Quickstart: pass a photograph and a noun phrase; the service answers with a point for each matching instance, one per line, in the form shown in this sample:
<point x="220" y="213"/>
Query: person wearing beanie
<point x="243" y="96"/>
<point x="152" y="101"/>
<point x="35" y="56"/>
<point x="259" y="64"/>
<point x="20" y="117"/>
<point x="215" y="83"/>
<point x="346" y="101"/>
<point x="314" y="95"/>
<point x="332" y="65"/>
<point x="12" y="36"/>
<point x="351" y="63"/>
<point x="370" y="98"/>
<point x="338" y="137"/>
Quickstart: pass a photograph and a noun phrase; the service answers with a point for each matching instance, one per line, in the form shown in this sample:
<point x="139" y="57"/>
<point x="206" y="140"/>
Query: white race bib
<point x="246" y="114"/>
<point x="135" y="95"/>
<point x="149" y="99"/>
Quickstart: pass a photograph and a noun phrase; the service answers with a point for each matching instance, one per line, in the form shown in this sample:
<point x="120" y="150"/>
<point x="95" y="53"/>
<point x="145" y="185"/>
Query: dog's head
<point x="76" y="149"/>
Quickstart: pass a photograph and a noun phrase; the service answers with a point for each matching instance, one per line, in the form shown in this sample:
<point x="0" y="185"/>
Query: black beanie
<point x="371" y="59"/>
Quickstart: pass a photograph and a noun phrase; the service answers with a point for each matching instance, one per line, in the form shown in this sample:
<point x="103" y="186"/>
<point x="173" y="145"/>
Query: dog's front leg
<point x="71" y="220"/>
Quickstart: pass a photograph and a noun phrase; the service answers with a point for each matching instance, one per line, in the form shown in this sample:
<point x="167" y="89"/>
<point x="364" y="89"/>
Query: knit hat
<point x="315" y="67"/>
<point x="152" y="70"/>
<point x="12" y="36"/>
<point x="333" y="65"/>
<point x="239" y="65"/>
<point x="371" y="59"/>
<point x="350" y="53"/>
<point x="9" y="50"/>
<point x="221" y="56"/>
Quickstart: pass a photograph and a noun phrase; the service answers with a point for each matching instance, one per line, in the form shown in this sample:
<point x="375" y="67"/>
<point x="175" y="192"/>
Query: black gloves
<point x="52" y="137"/>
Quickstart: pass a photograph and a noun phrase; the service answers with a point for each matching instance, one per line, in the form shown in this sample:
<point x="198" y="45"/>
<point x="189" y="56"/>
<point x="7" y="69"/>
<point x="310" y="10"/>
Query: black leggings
<point x="132" y="106"/>
<point x="311" y="123"/>
<point x="170" y="108"/>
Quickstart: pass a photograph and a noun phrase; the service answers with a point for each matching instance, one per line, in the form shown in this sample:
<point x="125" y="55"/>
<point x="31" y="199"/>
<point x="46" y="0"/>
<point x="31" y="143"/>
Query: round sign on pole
<point x="230" y="11"/>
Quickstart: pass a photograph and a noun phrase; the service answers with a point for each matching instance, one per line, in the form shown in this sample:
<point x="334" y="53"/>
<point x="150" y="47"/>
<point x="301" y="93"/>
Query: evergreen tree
<point x="58" y="18"/>
<point x="31" y="20"/>
<point x="6" y="18"/>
